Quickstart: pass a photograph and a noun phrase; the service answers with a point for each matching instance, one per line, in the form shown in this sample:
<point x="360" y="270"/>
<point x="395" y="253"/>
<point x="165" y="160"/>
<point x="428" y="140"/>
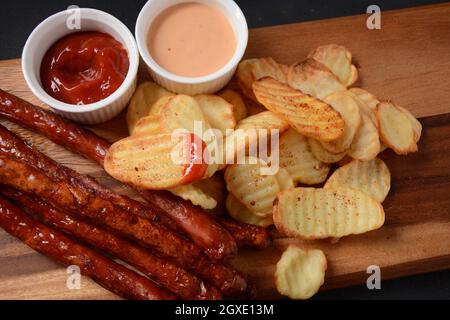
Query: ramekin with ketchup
<point x="87" y="74"/>
<point x="191" y="46"/>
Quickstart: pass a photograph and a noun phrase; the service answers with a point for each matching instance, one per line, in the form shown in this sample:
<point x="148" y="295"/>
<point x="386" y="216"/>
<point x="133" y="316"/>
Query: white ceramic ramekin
<point x="54" y="28"/>
<point x="192" y="85"/>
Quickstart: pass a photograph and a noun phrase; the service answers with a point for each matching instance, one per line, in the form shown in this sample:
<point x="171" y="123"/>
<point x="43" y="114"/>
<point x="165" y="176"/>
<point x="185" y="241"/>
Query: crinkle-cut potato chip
<point x="184" y="112"/>
<point x="371" y="177"/>
<point x="296" y="157"/>
<point x="338" y="59"/>
<point x="310" y="213"/>
<point x="156" y="161"/>
<point x="195" y="195"/>
<point x="156" y="108"/>
<point x="322" y="154"/>
<point x="250" y="186"/>
<point x="416" y="125"/>
<point x="218" y="112"/>
<point x="366" y="97"/>
<point x="285" y="69"/>
<point x="251" y="70"/>
<point x="240" y="110"/>
<point x="247" y="132"/>
<point x="143" y="99"/>
<point x="215" y="188"/>
<point x="349" y="110"/>
<point x="307" y="115"/>
<point x="285" y="182"/>
<point x="265" y="120"/>
<point x="396" y="129"/>
<point x="147" y="125"/>
<point x="284" y="179"/>
<point x="245" y="77"/>
<point x="367" y="103"/>
<point x="366" y="143"/>
<point x="300" y="273"/>
<point x="313" y="78"/>
<point x="240" y="213"/>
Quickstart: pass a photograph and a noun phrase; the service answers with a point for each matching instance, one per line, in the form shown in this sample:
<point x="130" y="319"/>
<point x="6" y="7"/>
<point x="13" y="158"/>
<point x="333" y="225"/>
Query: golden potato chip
<point x="339" y="60"/>
<point x="248" y="132"/>
<point x="396" y="130"/>
<point x="240" y="213"/>
<point x="367" y="103"/>
<point x="307" y="115"/>
<point x="251" y="187"/>
<point x="264" y="120"/>
<point x="245" y="78"/>
<point x="349" y="110"/>
<point x="285" y="69"/>
<point x="267" y="67"/>
<point x="184" y="112"/>
<point x="416" y="125"/>
<point x="215" y="188"/>
<point x="367" y="98"/>
<point x="297" y="158"/>
<point x="313" y="78"/>
<point x="311" y="213"/>
<point x="156" y="161"/>
<point x="156" y="108"/>
<point x="147" y="125"/>
<point x="240" y="110"/>
<point x="143" y="99"/>
<point x="300" y="273"/>
<point x="284" y="179"/>
<point x="195" y="195"/>
<point x="218" y="112"/>
<point x="251" y="70"/>
<point x="371" y="177"/>
<point x="366" y="143"/>
<point x="322" y="154"/>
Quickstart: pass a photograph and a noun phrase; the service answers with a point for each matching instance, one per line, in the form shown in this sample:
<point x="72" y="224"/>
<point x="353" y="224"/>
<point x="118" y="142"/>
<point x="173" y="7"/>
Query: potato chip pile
<point x="329" y="123"/>
<point x="321" y="120"/>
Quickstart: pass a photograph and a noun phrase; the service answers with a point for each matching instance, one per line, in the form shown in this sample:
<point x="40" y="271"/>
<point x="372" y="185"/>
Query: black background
<point x="19" y="17"/>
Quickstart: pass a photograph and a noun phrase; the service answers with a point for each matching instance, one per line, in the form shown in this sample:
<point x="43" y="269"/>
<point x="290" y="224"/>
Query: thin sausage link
<point x="61" y="248"/>
<point x="163" y="272"/>
<point x="63" y="188"/>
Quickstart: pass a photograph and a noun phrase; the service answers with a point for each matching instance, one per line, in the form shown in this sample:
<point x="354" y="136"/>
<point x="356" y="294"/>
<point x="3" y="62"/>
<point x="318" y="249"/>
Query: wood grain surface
<point x="407" y="61"/>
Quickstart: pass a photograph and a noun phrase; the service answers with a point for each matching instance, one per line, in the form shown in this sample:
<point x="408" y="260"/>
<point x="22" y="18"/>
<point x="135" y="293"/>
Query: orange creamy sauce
<point x="191" y="39"/>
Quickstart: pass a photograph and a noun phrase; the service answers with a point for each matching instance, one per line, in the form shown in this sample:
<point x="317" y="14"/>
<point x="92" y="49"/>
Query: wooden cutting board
<point x="408" y="61"/>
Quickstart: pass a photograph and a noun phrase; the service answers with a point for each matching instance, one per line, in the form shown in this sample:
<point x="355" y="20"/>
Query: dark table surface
<point x="19" y="17"/>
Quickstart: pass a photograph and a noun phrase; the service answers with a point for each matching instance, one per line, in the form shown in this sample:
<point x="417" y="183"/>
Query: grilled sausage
<point x="200" y="227"/>
<point x="247" y="236"/>
<point x="61" y="248"/>
<point x="206" y="234"/>
<point x="21" y="167"/>
<point x="168" y="275"/>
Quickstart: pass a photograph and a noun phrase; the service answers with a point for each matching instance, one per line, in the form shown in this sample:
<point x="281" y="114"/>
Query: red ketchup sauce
<point x="196" y="165"/>
<point x="84" y="67"/>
